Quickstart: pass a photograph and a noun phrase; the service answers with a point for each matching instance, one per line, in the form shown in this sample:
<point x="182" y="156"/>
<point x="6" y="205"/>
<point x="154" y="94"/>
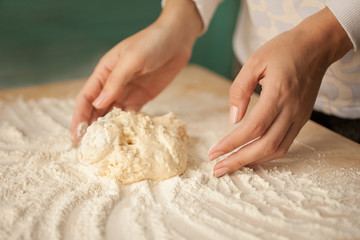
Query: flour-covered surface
<point x="45" y="193"/>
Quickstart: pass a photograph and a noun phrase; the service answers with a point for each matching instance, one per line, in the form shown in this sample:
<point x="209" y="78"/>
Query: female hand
<point x="290" y="68"/>
<point x="138" y="68"/>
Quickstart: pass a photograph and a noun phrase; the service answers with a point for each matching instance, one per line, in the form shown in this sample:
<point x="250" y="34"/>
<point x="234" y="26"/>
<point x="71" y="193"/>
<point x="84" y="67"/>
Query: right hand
<point x="136" y="70"/>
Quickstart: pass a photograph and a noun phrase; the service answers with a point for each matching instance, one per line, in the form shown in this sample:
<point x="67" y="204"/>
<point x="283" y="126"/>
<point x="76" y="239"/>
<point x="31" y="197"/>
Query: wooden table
<point x="330" y="145"/>
<point x="313" y="143"/>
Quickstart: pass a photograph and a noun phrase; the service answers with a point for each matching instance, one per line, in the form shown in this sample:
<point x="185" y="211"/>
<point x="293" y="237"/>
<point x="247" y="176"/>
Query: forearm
<point x="347" y="14"/>
<point x="323" y="33"/>
<point x="182" y="18"/>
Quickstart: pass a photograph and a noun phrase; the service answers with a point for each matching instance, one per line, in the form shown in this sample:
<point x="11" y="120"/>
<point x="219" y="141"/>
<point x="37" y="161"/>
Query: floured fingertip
<point x="80" y="131"/>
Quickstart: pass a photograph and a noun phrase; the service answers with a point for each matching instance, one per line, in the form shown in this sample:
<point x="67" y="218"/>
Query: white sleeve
<point x="206" y="9"/>
<point x="347" y="12"/>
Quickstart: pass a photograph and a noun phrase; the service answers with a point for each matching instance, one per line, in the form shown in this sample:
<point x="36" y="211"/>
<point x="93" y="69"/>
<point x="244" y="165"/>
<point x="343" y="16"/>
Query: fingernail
<point x="81" y="129"/>
<point x="73" y="138"/>
<point x="221" y="171"/>
<point x="99" y="100"/>
<point x="215" y="155"/>
<point x="211" y="148"/>
<point x="234" y="114"/>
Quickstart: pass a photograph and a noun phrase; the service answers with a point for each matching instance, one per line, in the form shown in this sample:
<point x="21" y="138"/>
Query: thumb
<point x="115" y="83"/>
<point x="242" y="89"/>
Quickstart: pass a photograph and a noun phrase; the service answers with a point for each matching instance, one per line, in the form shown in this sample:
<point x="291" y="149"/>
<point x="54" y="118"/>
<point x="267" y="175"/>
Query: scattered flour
<point x="45" y="193"/>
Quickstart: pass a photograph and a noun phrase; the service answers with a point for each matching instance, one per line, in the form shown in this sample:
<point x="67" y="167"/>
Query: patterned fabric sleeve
<point x="206" y="9"/>
<point x="347" y="13"/>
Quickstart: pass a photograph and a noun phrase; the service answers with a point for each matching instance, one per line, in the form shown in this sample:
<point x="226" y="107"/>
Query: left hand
<point x="139" y="67"/>
<point x="290" y="68"/>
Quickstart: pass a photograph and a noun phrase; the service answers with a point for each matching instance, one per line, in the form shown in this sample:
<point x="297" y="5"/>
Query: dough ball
<point x="131" y="147"/>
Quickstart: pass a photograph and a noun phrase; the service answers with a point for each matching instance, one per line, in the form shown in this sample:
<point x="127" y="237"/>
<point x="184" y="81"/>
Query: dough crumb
<point x="131" y="147"/>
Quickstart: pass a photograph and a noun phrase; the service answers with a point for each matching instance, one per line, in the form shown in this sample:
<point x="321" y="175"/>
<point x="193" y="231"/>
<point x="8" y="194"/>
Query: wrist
<point x="182" y="18"/>
<point x="324" y="34"/>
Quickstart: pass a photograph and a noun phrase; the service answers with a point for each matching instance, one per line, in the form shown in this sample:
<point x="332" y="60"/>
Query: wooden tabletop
<point x="314" y="141"/>
<point x="200" y="97"/>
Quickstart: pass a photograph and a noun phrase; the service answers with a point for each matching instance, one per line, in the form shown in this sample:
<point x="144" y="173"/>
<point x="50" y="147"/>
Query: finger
<point x="137" y="97"/>
<point x="284" y="146"/>
<point x="133" y="99"/>
<point x="81" y="115"/>
<point x="102" y="112"/>
<point x="115" y="83"/>
<point x="266" y="146"/>
<point x="242" y="89"/>
<point x="83" y="108"/>
<point x="260" y="119"/>
<point x="96" y="113"/>
<point x="145" y="87"/>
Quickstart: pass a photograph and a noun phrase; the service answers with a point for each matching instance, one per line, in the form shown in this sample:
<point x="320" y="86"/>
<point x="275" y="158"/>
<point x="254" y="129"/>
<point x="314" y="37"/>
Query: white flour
<point x="46" y="194"/>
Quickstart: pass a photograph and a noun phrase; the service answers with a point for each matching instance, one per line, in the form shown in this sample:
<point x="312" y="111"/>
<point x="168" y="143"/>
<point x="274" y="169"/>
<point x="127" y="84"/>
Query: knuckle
<point x="288" y="87"/>
<point x="231" y="146"/>
<point x="83" y="96"/>
<point x="239" y="164"/>
<point x="111" y="82"/>
<point x="103" y="59"/>
<point x="255" y="60"/>
<point x="137" y="63"/>
<point x="259" y="128"/>
<point x="281" y="152"/>
<point x="237" y="92"/>
<point x="113" y="85"/>
<point x="271" y="147"/>
<point x="79" y="98"/>
<point x="131" y="54"/>
<point x="123" y="46"/>
<point x="135" y="57"/>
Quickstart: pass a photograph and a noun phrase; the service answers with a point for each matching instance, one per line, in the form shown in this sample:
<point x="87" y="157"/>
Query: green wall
<point x="46" y="41"/>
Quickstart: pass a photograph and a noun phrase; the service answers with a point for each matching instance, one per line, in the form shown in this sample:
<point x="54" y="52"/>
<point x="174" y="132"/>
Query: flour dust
<point x="47" y="194"/>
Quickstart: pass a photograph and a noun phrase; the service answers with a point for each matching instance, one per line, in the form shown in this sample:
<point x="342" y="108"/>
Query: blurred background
<point x="47" y="41"/>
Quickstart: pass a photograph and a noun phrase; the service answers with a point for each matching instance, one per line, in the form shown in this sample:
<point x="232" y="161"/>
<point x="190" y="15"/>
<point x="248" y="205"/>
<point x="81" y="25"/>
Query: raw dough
<point x="131" y="147"/>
